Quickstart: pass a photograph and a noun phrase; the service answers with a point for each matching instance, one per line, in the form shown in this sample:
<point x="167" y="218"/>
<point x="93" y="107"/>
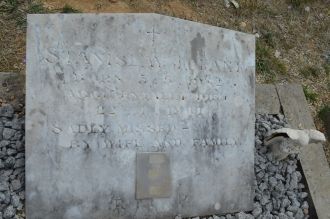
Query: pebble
<point x="8" y="133"/>
<point x="11" y="163"/>
<point x="7" y="111"/>
<point x="242" y="24"/>
<point x="9" y="212"/>
<point x="16" y="185"/>
<point x="277" y="54"/>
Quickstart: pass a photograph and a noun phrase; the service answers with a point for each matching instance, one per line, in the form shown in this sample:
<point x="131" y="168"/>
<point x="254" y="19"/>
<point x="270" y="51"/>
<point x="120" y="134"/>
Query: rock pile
<point x="11" y="164"/>
<point x="279" y="190"/>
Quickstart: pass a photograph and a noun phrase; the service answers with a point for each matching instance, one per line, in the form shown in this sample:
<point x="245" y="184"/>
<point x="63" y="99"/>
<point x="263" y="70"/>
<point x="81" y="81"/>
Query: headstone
<point x="137" y="116"/>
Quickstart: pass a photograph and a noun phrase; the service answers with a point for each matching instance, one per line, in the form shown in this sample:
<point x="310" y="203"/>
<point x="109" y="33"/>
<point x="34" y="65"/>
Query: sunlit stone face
<point x="104" y="90"/>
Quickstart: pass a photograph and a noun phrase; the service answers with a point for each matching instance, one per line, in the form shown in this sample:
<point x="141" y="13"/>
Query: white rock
<point x="227" y="3"/>
<point x="235" y="3"/>
<point x="277" y="54"/>
<point x="242" y="24"/>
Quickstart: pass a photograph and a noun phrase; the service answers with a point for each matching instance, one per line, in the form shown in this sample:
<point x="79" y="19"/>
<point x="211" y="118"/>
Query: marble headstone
<point x="137" y="116"/>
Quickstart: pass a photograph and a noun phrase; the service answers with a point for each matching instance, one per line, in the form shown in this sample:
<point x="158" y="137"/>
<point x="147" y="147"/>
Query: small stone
<point x="20" y="155"/>
<point x="2" y="197"/>
<point x="303" y="195"/>
<point x="15" y="201"/>
<point x="21" y="195"/>
<point x="11" y="151"/>
<point x="19" y="163"/>
<point x="262" y="186"/>
<point x="8" y="133"/>
<point x="272" y="181"/>
<point x="9" y="212"/>
<point x="306" y="211"/>
<point x="282" y="216"/>
<point x="7" y="198"/>
<point x="262" y="166"/>
<point x="242" y="24"/>
<point x="16" y="185"/>
<point x="277" y="54"/>
<point x="16" y="123"/>
<point x="299" y="214"/>
<point x="4" y="186"/>
<point x="17" y="136"/>
<point x="260" y="175"/>
<point x="290" y="214"/>
<point x="2" y="165"/>
<point x="271" y="168"/>
<point x="305" y="205"/>
<point x="285" y="202"/>
<point x="19" y="146"/>
<point x="241" y="215"/>
<point x="293" y="208"/>
<point x="4" y="143"/>
<point x="6" y="111"/>
<point x="264" y="200"/>
<point x="10" y="162"/>
<point x="279" y="177"/>
<point x="269" y="207"/>
<point x="301" y="186"/>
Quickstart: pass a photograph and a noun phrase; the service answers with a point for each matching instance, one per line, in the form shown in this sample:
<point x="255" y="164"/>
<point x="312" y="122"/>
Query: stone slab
<point x="267" y="101"/>
<point x="313" y="160"/>
<point x="103" y="87"/>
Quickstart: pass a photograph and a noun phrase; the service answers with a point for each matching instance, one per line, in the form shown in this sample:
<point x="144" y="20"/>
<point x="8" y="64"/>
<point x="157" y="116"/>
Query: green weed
<point x="9" y="6"/>
<point x="309" y="71"/>
<point x="36" y="8"/>
<point x="310" y="95"/>
<point x="324" y="112"/>
<point x="69" y="9"/>
<point x="298" y="3"/>
<point x="266" y="63"/>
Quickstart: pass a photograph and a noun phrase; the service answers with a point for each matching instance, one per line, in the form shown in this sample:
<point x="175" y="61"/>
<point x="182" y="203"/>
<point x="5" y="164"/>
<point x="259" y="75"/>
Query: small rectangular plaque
<point x="153" y="178"/>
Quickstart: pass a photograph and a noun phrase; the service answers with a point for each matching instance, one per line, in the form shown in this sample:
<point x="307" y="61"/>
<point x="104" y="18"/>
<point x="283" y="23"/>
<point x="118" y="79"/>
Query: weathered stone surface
<point x="267" y="100"/>
<point x="102" y="88"/>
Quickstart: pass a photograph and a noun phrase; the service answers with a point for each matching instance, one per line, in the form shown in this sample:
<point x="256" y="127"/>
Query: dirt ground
<point x="293" y="36"/>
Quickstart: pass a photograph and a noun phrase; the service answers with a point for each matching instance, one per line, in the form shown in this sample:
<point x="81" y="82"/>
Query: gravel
<point x="12" y="164"/>
<point x="279" y="192"/>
